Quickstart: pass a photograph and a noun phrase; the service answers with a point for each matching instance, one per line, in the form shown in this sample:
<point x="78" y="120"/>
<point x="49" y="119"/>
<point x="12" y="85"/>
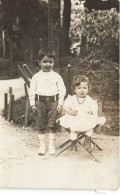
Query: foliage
<point x="103" y="75"/>
<point x="96" y="31"/>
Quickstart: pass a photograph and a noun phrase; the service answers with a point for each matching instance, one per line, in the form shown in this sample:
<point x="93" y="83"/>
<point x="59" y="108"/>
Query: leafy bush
<point x="96" y="31"/>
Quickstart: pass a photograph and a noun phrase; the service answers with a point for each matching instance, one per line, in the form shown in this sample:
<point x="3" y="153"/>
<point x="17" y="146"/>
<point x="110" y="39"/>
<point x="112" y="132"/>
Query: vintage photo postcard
<point x="59" y="94"/>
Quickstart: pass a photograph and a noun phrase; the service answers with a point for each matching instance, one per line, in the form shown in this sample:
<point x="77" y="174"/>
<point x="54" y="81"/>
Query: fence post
<point x="10" y="109"/>
<point x="10" y="90"/>
<point x="98" y="129"/>
<point x="69" y="79"/>
<point x="26" y="91"/>
<point x="22" y="73"/>
<point x="27" y="112"/>
<point x="5" y="104"/>
<point x="29" y="72"/>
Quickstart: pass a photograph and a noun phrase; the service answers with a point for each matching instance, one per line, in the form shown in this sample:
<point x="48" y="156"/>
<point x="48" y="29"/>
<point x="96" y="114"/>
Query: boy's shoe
<point x="41" y="150"/>
<point x="87" y="143"/>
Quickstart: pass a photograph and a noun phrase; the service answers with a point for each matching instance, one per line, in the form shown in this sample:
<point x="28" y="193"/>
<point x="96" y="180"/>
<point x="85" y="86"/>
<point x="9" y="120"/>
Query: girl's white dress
<point x="87" y="117"/>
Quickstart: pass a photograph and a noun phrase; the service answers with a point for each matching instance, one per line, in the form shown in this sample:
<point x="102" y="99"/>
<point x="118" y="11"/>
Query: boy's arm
<point x="32" y="91"/>
<point x="61" y="90"/>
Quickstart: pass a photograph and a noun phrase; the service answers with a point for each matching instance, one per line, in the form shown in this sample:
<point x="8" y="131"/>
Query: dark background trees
<point x="102" y="5"/>
<point x="25" y="25"/>
<point x="29" y="26"/>
<point x="66" y="27"/>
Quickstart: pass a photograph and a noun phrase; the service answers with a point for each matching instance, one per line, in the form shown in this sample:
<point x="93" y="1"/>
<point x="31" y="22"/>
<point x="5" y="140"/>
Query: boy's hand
<point x="59" y="108"/>
<point x="34" y="109"/>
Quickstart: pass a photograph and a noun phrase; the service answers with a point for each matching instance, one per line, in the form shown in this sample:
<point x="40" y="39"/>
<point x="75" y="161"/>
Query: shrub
<point x="96" y="30"/>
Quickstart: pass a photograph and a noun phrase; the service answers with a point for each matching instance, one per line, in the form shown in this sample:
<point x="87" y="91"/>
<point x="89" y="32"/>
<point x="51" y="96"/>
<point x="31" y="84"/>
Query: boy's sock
<point x="41" y="138"/>
<point x="51" y="143"/>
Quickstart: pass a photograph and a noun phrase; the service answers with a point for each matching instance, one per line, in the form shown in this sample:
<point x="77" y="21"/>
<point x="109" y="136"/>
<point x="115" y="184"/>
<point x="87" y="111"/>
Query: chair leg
<point x="61" y="151"/>
<point x="65" y="143"/>
<point x="96" y="145"/>
<point x="82" y="136"/>
<point x="88" y="151"/>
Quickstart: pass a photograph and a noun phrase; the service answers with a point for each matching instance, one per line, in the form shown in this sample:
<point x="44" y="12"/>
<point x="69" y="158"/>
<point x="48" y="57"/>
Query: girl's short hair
<point x="77" y="80"/>
<point x="50" y="54"/>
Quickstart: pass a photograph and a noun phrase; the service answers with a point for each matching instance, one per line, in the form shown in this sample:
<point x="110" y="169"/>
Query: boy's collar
<point x="46" y="72"/>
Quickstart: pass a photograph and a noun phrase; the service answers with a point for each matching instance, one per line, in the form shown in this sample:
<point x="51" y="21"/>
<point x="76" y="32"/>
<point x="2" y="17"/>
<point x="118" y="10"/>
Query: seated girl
<point x="81" y="111"/>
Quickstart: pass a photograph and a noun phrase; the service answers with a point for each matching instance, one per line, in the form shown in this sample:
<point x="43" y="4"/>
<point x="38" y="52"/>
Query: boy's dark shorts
<point x="46" y="115"/>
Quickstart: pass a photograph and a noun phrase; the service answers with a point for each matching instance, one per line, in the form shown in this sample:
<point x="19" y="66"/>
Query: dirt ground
<point x="21" y="167"/>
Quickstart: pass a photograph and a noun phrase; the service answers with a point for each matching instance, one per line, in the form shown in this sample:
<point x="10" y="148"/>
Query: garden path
<point x="21" y="167"/>
<point x="17" y="86"/>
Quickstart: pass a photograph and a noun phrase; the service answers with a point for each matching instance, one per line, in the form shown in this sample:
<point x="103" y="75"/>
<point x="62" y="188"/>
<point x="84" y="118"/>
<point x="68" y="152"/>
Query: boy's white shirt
<point x="47" y="84"/>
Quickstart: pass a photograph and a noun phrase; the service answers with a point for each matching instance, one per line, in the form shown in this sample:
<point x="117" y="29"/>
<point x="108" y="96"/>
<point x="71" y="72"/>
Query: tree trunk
<point x="23" y="49"/>
<point x="11" y="52"/>
<point x="31" y="51"/>
<point x="66" y="27"/>
<point x="54" y="29"/>
<point x="3" y="43"/>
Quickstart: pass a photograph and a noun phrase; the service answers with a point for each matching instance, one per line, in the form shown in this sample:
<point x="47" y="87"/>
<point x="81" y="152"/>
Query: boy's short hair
<point x="77" y="80"/>
<point x="50" y="54"/>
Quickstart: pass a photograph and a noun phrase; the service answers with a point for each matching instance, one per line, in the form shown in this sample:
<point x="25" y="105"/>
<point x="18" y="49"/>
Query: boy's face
<point x="82" y="89"/>
<point x="47" y="63"/>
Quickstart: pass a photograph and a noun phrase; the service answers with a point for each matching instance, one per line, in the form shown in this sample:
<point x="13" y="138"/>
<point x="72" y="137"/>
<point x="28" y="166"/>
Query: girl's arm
<point x="69" y="111"/>
<point x="94" y="108"/>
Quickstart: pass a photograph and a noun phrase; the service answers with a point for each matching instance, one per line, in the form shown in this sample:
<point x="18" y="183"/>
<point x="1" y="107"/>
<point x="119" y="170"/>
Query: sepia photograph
<point x="59" y="95"/>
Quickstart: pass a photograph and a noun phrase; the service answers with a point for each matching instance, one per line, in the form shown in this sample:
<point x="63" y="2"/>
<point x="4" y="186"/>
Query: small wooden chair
<point x="67" y="144"/>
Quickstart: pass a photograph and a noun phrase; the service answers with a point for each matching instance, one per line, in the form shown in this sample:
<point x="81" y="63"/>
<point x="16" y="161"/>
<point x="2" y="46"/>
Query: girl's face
<point x="82" y="89"/>
<point x="47" y="64"/>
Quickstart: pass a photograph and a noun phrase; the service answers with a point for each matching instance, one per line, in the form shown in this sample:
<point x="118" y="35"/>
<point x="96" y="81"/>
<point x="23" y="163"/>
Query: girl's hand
<point x="34" y="109"/>
<point x="74" y="113"/>
<point x="101" y="120"/>
<point x="69" y="111"/>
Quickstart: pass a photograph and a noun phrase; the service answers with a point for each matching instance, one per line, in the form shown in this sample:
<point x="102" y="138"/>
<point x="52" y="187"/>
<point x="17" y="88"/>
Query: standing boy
<point x="47" y="91"/>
